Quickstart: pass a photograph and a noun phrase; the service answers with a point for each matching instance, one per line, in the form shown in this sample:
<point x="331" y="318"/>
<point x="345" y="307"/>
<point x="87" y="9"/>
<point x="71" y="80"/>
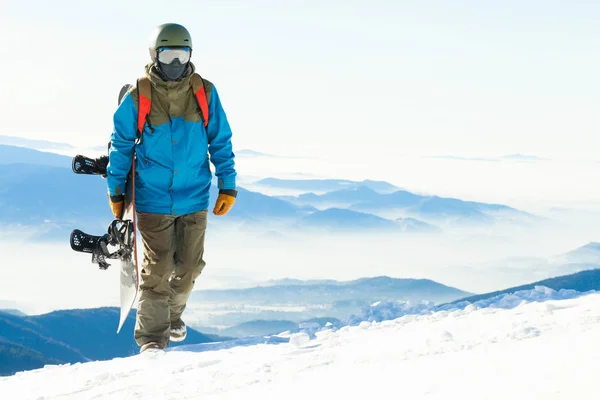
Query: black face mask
<point x="173" y="71"/>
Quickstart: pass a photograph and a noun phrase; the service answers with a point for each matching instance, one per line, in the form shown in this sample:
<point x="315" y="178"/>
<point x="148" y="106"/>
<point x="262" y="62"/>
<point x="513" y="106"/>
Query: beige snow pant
<point x="173" y="251"/>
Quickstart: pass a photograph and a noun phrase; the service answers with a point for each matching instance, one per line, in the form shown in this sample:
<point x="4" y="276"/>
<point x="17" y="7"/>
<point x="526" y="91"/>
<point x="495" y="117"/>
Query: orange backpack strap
<point x="200" y="96"/>
<point x="144" y="90"/>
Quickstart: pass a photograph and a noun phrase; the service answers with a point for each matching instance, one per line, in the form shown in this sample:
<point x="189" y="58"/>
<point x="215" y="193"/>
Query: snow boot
<point x="178" y="331"/>
<point x="152" y="346"/>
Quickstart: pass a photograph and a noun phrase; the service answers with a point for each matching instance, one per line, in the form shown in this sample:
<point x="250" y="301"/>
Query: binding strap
<point x="200" y="96"/>
<point x="145" y="102"/>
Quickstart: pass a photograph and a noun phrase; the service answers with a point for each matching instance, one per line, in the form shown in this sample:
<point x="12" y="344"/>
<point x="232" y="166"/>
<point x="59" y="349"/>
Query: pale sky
<point x="379" y="85"/>
<point x="356" y="78"/>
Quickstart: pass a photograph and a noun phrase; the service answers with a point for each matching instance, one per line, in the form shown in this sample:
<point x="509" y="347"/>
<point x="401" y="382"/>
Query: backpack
<point x="144" y="89"/>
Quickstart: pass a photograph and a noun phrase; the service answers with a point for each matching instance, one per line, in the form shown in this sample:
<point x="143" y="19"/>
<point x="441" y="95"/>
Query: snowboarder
<point x="184" y="129"/>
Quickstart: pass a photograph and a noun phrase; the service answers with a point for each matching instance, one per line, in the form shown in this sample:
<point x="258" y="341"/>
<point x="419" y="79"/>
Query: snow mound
<point x="299" y="339"/>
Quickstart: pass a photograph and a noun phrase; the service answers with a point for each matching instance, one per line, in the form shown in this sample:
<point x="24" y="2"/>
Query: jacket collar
<point x="163" y="86"/>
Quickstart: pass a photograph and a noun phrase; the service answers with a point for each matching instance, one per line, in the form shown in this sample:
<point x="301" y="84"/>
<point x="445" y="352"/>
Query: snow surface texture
<point x="538" y="344"/>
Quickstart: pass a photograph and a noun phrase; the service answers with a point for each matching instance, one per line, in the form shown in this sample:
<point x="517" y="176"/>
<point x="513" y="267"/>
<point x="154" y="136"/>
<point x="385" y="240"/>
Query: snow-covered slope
<point x="538" y="344"/>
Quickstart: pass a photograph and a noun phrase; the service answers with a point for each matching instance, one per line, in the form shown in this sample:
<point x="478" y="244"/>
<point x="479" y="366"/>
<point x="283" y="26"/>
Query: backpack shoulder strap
<point x="144" y="90"/>
<point x="199" y="87"/>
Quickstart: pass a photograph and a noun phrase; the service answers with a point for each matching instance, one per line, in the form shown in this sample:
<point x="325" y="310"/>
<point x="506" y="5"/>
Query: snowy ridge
<point x="533" y="344"/>
<point x="388" y="310"/>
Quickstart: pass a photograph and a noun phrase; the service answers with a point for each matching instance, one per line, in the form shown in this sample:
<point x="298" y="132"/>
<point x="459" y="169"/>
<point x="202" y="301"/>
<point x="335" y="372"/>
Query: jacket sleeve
<point x="122" y="143"/>
<point x="220" y="147"/>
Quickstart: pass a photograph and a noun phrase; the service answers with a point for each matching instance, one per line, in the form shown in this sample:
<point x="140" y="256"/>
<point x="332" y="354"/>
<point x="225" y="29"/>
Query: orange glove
<point x="116" y="205"/>
<point x="224" y="202"/>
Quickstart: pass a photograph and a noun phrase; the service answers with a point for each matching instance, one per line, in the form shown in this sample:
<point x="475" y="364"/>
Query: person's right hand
<point x="116" y="205"/>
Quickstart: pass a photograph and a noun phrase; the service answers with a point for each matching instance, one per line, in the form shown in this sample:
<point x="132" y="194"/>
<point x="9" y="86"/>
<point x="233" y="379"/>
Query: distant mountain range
<point x="22" y="155"/>
<point x="427" y="208"/>
<point x="582" y="257"/>
<point x="356" y="195"/>
<point x="52" y="199"/>
<point x="523" y="157"/>
<point x="510" y="157"/>
<point x="325" y="185"/>
<point x="259" y="328"/>
<point x="38" y="189"/>
<point x="14" y="312"/>
<point x="300" y="300"/>
<point x="254" y="205"/>
<point x="297" y="300"/>
<point x="70" y="336"/>
<point x="247" y="153"/>
<point x="368" y="289"/>
<point x="582" y="281"/>
<point x="270" y="327"/>
<point x="342" y="220"/>
<point x="33" y="143"/>
<point x="251" y="153"/>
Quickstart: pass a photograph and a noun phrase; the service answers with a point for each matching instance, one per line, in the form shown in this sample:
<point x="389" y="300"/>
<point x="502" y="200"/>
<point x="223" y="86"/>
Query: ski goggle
<point x="167" y="55"/>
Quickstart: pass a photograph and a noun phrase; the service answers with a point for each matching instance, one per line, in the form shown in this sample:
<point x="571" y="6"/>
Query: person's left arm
<point x="221" y="154"/>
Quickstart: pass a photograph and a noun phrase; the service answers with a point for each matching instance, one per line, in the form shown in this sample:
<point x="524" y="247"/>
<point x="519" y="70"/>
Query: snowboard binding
<point x="90" y="166"/>
<point x="120" y="235"/>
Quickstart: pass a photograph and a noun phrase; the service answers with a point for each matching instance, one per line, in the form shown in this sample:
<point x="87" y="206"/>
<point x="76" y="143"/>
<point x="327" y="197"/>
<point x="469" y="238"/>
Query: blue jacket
<point x="173" y="173"/>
